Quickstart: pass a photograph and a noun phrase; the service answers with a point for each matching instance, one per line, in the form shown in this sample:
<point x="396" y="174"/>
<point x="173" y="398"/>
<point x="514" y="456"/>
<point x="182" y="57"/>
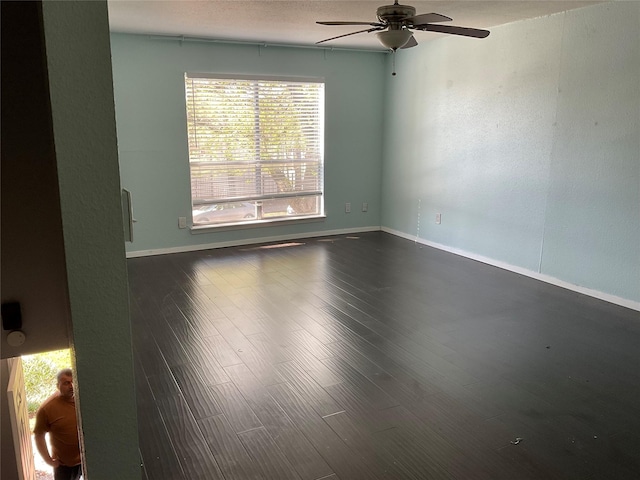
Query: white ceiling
<point x="292" y="22"/>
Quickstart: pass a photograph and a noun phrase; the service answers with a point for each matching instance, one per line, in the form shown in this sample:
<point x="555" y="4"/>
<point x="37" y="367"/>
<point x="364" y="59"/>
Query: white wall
<point x="527" y="143"/>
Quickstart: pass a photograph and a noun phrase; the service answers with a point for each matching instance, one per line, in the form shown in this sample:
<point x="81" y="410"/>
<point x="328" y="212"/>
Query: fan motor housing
<point x="395" y="13"/>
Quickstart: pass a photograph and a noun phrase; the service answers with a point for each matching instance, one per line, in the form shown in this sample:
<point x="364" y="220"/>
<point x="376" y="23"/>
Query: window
<point x="255" y="148"/>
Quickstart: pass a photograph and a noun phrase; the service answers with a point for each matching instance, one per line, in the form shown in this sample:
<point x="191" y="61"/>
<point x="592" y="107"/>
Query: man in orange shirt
<point x="57" y="415"/>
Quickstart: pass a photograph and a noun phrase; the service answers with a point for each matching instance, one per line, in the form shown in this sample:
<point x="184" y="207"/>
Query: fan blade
<point x="352" y="33"/>
<point x="373" y="24"/>
<point x="411" y="43"/>
<point x="427" y="18"/>
<point x="453" y="30"/>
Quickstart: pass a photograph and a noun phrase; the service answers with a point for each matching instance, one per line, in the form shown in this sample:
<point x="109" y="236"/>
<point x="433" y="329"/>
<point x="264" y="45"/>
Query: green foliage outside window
<point x="40" y="375"/>
<point x="250" y="139"/>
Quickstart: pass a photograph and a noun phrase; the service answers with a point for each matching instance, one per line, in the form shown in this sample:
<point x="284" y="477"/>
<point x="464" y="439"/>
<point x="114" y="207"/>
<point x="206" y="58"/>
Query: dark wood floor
<point x="372" y="357"/>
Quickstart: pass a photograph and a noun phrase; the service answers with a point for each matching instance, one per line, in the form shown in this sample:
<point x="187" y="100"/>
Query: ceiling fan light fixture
<point x="394" y="39"/>
<point x="396" y="23"/>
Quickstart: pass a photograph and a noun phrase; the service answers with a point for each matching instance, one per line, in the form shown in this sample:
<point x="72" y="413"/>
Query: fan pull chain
<point x="393" y="73"/>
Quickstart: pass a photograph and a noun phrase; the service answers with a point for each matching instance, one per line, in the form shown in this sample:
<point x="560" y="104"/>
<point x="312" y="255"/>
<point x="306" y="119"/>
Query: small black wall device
<point x="11" y="316"/>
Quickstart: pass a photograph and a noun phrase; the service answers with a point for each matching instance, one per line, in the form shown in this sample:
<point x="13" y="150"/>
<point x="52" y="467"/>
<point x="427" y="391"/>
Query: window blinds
<point x="254" y="139"/>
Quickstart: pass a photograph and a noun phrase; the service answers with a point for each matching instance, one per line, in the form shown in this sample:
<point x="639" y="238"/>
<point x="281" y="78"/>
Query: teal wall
<point x="152" y="140"/>
<point x="527" y="143"/>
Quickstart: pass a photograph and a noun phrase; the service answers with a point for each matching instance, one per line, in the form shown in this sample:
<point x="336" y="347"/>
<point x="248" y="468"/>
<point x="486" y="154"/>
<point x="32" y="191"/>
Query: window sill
<point x="223" y="227"/>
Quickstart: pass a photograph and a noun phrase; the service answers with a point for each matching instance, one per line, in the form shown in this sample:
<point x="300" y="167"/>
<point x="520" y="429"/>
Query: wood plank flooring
<point x="371" y="357"/>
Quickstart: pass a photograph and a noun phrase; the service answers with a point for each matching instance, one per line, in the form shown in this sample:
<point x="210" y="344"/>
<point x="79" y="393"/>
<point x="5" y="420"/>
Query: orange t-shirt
<point x="57" y="416"/>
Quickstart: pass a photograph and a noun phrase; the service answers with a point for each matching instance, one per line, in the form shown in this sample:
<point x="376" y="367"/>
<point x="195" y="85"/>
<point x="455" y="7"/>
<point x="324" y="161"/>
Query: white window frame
<point x="303" y="176"/>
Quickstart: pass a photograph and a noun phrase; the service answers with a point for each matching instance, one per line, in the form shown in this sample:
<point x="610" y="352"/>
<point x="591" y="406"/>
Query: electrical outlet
<point x="438" y="218"/>
<point x="365" y="207"/>
<point x="347" y="207"/>
<point x="182" y="222"/>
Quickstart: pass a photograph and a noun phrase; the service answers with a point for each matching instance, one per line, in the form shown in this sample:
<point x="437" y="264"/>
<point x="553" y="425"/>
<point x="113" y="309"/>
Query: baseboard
<point x="522" y="271"/>
<point x="249" y="241"/>
<point x="347" y="231"/>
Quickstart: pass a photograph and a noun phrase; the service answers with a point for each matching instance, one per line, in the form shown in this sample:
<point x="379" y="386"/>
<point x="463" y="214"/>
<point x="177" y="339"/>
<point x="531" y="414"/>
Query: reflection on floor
<point x="370" y="357"/>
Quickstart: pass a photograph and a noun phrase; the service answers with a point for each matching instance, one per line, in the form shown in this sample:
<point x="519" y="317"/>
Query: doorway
<point x="40" y="372"/>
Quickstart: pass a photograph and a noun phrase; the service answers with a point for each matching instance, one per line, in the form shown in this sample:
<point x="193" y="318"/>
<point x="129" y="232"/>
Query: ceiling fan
<point x="396" y="23"/>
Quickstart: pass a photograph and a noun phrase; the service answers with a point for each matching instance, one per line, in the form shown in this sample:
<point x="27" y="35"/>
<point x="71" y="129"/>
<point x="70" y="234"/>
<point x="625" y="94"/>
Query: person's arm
<point x="41" y="443"/>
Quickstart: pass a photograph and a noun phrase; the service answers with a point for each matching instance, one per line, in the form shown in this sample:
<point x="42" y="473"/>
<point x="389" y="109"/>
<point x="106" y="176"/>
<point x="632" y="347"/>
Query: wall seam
<point x="553" y="143"/>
